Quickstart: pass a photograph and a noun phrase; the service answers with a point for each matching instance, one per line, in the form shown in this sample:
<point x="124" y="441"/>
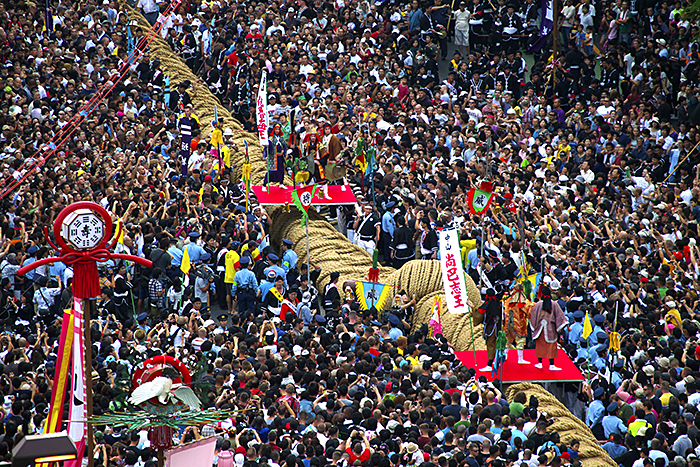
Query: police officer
<point x="595" y="351"/>
<point x="598" y="321"/>
<point x="576" y="329"/>
<point x="194" y="251"/>
<point x="274" y="266"/>
<point x="612" y="423"/>
<point x="243" y="289"/>
<point x="289" y="261"/>
<point x="596" y="411"/>
<point x="616" y="378"/>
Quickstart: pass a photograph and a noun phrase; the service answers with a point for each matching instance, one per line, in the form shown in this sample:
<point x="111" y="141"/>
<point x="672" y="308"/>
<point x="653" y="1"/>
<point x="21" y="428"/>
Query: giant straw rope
<point x="568" y="426"/>
<point x="331" y="251"/>
<point x="328" y="248"/>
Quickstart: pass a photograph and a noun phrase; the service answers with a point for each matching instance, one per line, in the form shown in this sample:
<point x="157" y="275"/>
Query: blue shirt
<point x="388" y="223"/>
<point x="575" y="332"/>
<point x="592" y="339"/>
<point x="245" y="278"/>
<point x="195" y="251"/>
<point x="177" y="256"/>
<point x="613" y="424"/>
<point x="289" y="260"/>
<point x="31" y="275"/>
<point x="595" y="413"/>
<point x="613" y="449"/>
<point x="616" y="380"/>
<point x="264" y="288"/>
<point x="395" y="333"/>
<point x="58" y="269"/>
<point x="473" y="259"/>
<point x="278" y="270"/>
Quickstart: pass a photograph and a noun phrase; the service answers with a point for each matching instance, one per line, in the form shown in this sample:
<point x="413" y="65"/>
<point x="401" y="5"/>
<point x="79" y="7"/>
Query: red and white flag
<point x="262" y="117"/>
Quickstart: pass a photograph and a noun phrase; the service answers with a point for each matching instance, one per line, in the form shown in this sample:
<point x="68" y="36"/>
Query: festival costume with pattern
<point x="493" y="316"/>
<point x="274" y="154"/>
<point x="546" y="321"/>
<point x="517" y="312"/>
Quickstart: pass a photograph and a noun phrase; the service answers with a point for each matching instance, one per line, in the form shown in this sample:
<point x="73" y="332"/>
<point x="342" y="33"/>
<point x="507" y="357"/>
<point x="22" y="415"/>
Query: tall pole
<point x="555" y="28"/>
<point x="308" y="269"/>
<point x="481" y="255"/>
<point x="87" y="312"/>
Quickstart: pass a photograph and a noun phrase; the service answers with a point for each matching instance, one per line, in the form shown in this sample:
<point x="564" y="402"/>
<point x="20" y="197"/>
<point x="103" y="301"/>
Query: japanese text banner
<point x="453" y="272"/>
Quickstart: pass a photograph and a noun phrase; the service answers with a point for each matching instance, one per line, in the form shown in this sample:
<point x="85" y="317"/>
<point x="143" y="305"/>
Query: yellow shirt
<point x="226" y="156"/>
<point x="664" y="398"/>
<point x="230" y="261"/>
<point x="466" y="246"/>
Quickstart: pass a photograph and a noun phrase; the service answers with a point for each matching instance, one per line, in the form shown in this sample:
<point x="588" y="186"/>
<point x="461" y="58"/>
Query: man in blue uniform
<point x="612" y="423"/>
<point x="576" y="329"/>
<point x="388" y="228"/>
<point x="289" y="261"/>
<point x="176" y="253"/>
<point x="596" y="411"/>
<point x="243" y="289"/>
<point x="195" y="251"/>
<point x="582" y="351"/>
<point x="597" y="350"/>
<point x="598" y="321"/>
<point x="31" y="275"/>
<point x="616" y="378"/>
<point x="274" y="266"/>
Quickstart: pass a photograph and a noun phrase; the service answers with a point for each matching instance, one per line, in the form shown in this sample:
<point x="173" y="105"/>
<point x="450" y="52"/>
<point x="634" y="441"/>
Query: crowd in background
<point x="591" y="153"/>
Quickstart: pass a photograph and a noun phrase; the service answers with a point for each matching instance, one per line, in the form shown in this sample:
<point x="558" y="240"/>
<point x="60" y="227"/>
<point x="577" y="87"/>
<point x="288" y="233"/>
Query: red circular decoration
<point x="97" y="209"/>
<point x="153" y="367"/>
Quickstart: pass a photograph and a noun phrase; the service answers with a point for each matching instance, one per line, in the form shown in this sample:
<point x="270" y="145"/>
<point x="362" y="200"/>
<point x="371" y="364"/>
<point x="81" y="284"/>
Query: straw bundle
<point x="568" y="426"/>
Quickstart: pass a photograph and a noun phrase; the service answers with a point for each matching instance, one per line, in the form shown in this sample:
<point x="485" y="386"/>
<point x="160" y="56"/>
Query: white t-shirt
<point x="462" y="19"/>
<point x="474" y="114"/>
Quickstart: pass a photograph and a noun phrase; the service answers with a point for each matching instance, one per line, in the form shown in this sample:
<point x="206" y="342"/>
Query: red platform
<point x="337" y="194"/>
<point x="514" y="373"/>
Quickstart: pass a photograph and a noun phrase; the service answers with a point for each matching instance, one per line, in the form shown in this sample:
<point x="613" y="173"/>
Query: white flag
<point x="453" y="272"/>
<point x="261" y="110"/>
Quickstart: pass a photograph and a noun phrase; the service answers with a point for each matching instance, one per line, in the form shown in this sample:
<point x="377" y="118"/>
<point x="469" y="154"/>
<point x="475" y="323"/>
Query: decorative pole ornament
<point x="81" y="232"/>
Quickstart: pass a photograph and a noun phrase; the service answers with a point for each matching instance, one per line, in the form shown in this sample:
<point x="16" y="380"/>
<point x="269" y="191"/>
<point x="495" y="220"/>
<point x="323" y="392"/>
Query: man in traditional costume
<point x="517" y="312"/>
<point x="274" y="154"/>
<point x="330" y="150"/>
<point x="313" y="154"/>
<point x="546" y="321"/>
<point x="493" y="317"/>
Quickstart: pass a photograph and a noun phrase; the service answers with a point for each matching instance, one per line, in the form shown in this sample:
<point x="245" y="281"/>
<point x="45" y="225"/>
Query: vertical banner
<point x="546" y="25"/>
<point x="77" y="428"/>
<point x="60" y="383"/>
<point x="453" y="272"/>
<point x="261" y="111"/>
<point x="58" y="392"/>
<point x="49" y="19"/>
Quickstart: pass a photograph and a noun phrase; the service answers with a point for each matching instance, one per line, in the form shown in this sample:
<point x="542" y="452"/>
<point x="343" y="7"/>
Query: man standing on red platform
<point x="546" y="321"/>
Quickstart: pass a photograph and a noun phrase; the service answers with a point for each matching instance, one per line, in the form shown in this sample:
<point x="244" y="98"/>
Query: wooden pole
<point x="87" y="313"/>
<point x="161" y="457"/>
<point x="555" y="28"/>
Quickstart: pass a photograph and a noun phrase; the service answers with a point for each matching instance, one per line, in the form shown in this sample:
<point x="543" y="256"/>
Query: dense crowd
<point x="591" y="154"/>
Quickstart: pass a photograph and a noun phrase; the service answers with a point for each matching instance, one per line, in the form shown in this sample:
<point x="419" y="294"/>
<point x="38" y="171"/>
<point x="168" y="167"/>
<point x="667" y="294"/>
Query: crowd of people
<point x="591" y="154"/>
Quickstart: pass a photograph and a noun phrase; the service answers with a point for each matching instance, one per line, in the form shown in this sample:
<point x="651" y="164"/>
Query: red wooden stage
<point x="337" y="194"/>
<point x="515" y="373"/>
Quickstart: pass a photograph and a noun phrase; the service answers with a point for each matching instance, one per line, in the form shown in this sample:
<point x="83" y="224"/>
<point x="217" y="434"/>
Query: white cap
<point x="209" y="322"/>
